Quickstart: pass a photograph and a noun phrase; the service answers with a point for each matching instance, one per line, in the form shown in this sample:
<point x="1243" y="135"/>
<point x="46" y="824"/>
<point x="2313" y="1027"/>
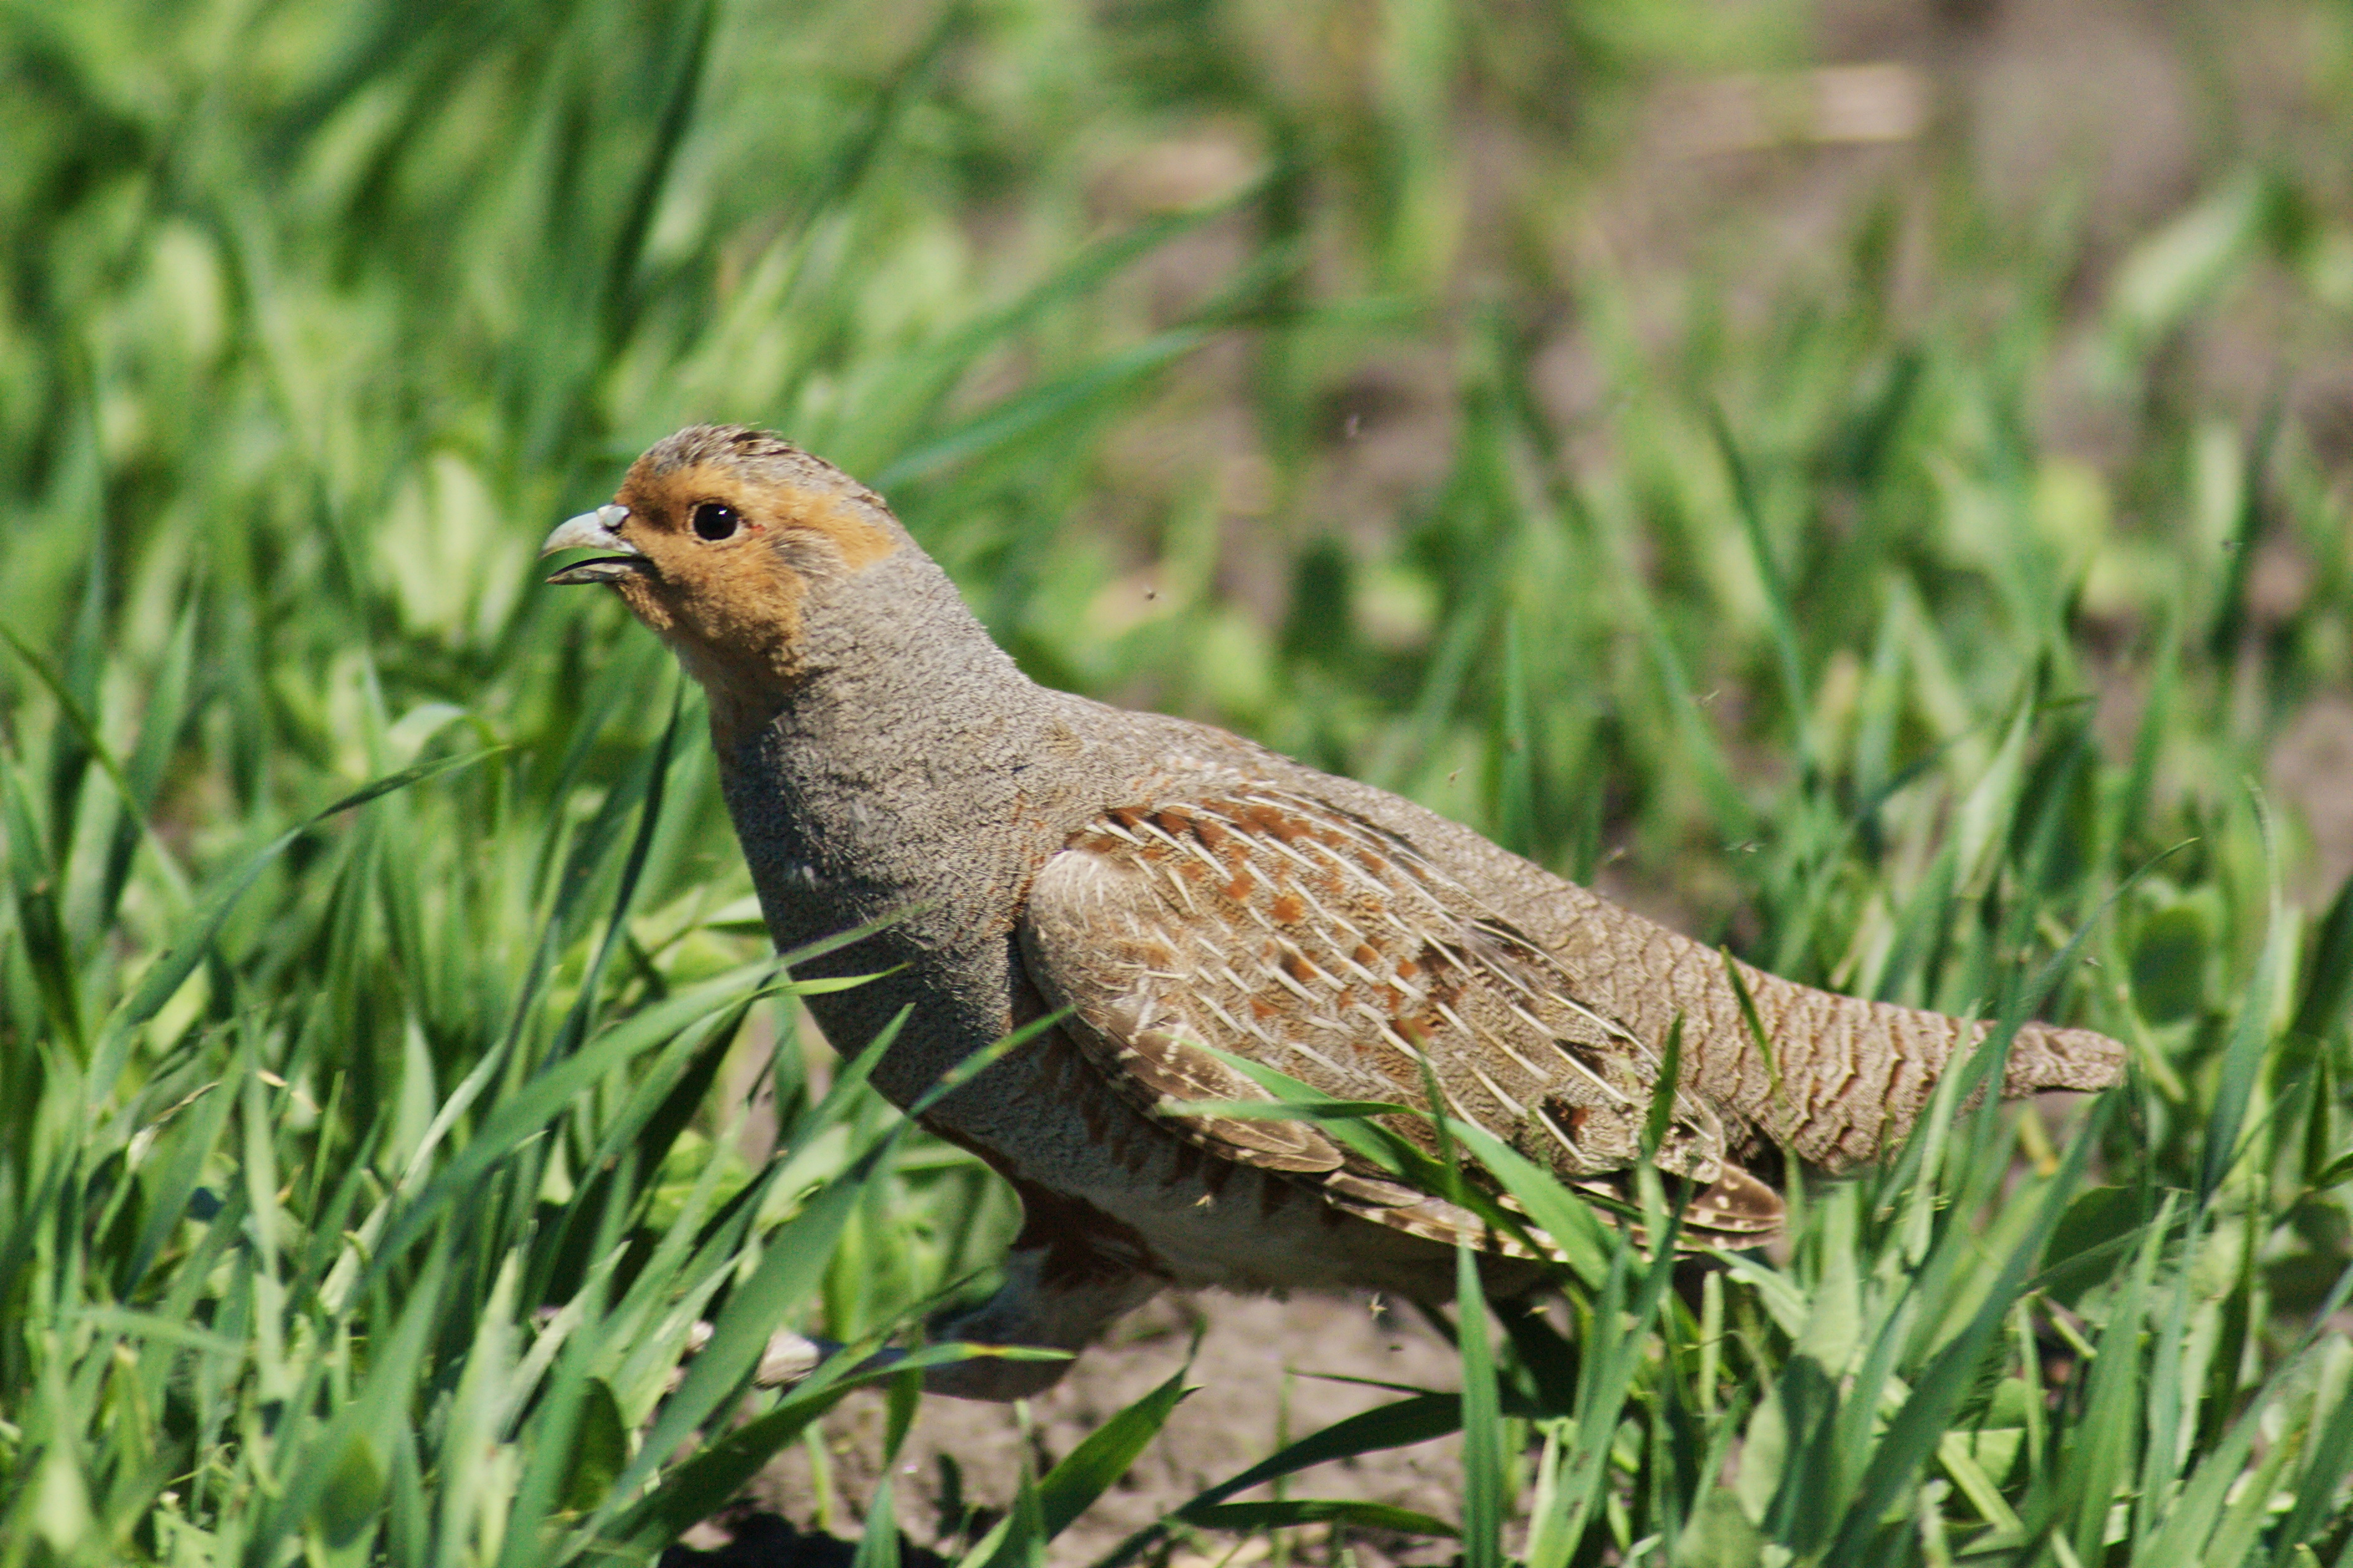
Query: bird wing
<point x="1288" y="931"/>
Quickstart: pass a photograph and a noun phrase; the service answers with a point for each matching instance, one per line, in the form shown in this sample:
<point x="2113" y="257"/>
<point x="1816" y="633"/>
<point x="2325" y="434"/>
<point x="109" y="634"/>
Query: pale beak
<point x="595" y="530"/>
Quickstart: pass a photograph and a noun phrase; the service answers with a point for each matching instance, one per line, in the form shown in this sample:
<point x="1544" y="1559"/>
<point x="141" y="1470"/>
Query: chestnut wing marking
<point x="1282" y="929"/>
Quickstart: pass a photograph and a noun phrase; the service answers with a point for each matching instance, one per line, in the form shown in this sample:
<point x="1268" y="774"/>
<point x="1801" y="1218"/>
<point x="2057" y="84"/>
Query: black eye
<point x="714" y="521"/>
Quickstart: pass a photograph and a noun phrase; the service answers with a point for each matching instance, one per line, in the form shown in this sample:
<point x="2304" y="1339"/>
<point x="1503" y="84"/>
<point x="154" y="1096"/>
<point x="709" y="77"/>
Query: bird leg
<point x="1039" y="1306"/>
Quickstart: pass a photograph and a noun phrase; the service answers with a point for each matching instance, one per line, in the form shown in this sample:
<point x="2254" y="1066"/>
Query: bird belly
<point x="1100" y="1179"/>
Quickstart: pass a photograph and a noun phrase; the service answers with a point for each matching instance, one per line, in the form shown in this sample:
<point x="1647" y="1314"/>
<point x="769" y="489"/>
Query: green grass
<point x="375" y="963"/>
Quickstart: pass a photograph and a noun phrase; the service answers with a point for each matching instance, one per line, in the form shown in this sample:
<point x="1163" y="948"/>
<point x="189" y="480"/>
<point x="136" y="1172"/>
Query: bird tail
<point x="2047" y="1057"/>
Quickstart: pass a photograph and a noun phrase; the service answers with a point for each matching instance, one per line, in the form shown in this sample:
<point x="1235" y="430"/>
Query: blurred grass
<point x="1898" y="604"/>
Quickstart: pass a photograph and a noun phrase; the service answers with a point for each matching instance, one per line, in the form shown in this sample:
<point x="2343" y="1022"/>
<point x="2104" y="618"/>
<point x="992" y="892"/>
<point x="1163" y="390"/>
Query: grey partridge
<point x="1167" y="887"/>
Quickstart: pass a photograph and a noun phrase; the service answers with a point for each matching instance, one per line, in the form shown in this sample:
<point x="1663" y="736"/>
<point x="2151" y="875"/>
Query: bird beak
<point x="595" y="530"/>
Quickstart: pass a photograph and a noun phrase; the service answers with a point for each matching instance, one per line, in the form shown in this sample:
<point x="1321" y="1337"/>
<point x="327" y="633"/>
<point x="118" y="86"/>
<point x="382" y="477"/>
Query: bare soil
<point x="1265" y="1373"/>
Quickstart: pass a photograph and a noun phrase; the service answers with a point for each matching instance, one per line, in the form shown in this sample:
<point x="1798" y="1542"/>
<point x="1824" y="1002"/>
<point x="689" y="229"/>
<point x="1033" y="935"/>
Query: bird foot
<point x="789" y="1358"/>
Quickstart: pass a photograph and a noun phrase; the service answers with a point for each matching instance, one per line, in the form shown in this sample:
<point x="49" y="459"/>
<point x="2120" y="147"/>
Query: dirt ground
<point x="2033" y="87"/>
<point x="1268" y="1371"/>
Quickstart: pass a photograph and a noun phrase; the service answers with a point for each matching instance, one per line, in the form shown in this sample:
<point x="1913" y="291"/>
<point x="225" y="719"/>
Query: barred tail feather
<point x="2046" y="1057"/>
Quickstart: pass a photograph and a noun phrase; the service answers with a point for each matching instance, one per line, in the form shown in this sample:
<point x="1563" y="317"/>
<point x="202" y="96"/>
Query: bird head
<point x="719" y="540"/>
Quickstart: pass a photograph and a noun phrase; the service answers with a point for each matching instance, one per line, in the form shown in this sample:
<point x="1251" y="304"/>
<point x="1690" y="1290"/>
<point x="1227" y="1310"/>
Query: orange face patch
<point x="858" y="540"/>
<point x="736" y="531"/>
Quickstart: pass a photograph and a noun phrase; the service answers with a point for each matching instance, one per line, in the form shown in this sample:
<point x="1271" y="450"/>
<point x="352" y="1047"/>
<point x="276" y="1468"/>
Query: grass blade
<point x="1920" y="1424"/>
<point x="1105" y="1454"/>
<point x="1482" y="1422"/>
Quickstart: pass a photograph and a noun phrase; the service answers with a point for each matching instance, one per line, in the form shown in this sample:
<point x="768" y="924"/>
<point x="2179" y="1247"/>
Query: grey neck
<point x="888" y="778"/>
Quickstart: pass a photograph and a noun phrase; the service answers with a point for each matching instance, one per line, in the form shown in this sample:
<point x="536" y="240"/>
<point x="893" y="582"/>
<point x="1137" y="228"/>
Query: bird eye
<point x="714" y="521"/>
